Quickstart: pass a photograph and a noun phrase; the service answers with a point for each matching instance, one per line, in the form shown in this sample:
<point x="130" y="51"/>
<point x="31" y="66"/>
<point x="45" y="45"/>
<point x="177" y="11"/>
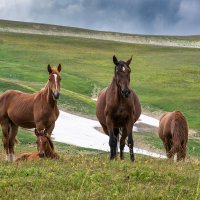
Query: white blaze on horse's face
<point x="56" y="83"/>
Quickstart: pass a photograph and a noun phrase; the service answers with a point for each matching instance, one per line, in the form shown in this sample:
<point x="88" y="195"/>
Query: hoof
<point x="132" y="158"/>
<point x="113" y="157"/>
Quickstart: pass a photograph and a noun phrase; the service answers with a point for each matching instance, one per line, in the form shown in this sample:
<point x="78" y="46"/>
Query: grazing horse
<point x="45" y="148"/>
<point x="173" y="131"/>
<point x="38" y="110"/>
<point x="118" y="107"/>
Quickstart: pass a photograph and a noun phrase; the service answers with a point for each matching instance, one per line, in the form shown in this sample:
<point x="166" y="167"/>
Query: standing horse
<point x="45" y="149"/>
<point x="38" y="110"/>
<point x="173" y="131"/>
<point x="118" y="107"/>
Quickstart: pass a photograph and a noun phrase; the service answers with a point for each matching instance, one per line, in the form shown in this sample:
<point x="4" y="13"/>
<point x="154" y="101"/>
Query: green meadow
<point x="88" y="174"/>
<point x="165" y="79"/>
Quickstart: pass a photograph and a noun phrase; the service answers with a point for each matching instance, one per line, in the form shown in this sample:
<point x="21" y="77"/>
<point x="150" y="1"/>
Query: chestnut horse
<point x="38" y="110"/>
<point x="173" y="131"/>
<point x="45" y="149"/>
<point x="118" y="107"/>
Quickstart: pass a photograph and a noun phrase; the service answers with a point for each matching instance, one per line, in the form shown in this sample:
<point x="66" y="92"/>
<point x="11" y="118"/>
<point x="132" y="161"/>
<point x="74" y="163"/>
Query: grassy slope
<point x="164" y="78"/>
<point x="84" y="174"/>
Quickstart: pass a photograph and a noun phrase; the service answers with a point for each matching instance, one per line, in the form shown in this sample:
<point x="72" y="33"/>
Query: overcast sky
<point x="166" y="17"/>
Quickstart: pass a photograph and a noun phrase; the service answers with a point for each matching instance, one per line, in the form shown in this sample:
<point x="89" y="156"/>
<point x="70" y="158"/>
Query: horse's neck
<point x="114" y="91"/>
<point x="47" y="94"/>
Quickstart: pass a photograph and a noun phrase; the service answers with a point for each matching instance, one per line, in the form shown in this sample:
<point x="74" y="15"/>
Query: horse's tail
<point x="179" y="130"/>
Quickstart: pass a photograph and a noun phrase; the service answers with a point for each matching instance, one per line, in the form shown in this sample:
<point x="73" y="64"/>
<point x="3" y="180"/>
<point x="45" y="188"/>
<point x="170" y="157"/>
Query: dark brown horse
<point x="45" y="149"/>
<point x="173" y="131"/>
<point x="118" y="107"/>
<point x="38" y="110"/>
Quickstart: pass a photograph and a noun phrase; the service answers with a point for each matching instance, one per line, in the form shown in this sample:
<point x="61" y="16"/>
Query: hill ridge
<point x="56" y="30"/>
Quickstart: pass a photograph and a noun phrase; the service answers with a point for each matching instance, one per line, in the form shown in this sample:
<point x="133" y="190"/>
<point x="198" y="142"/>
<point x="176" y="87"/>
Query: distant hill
<point x="47" y="29"/>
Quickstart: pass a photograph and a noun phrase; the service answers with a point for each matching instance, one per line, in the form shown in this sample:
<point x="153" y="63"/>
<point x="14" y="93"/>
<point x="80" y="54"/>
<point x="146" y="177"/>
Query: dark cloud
<point x="168" y="17"/>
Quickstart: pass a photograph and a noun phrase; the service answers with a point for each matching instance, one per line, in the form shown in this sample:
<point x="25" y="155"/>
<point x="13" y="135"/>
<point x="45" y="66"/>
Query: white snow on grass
<point x="148" y="120"/>
<point x="80" y="131"/>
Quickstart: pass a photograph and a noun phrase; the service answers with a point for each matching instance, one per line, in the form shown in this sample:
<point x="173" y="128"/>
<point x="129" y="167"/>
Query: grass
<point x="88" y="174"/>
<point x="165" y="78"/>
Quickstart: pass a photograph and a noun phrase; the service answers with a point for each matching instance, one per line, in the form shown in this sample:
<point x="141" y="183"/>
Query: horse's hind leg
<point x="116" y="133"/>
<point x="12" y="135"/>
<point x="122" y="144"/>
<point x="181" y="154"/>
<point x="168" y="147"/>
<point x="104" y="129"/>
<point x="5" y="137"/>
<point x="130" y="140"/>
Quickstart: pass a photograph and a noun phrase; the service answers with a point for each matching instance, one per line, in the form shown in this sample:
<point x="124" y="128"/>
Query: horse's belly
<point x="120" y="121"/>
<point x="23" y="120"/>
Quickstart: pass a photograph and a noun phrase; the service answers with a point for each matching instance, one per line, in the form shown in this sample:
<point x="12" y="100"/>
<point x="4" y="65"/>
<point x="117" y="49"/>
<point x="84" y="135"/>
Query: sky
<point x="156" y="17"/>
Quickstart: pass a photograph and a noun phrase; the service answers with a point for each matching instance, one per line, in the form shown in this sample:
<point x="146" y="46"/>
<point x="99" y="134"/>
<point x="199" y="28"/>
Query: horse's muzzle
<point x="56" y="95"/>
<point x="42" y="155"/>
<point x="126" y="93"/>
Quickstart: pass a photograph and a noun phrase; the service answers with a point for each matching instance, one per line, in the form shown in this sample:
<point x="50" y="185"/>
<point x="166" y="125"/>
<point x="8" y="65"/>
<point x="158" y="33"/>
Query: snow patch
<point x="79" y="131"/>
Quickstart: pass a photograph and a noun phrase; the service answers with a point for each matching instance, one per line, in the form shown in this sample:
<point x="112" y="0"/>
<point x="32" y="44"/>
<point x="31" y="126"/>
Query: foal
<point x="118" y="107"/>
<point x="38" y="110"/>
<point x="45" y="149"/>
<point x="173" y="131"/>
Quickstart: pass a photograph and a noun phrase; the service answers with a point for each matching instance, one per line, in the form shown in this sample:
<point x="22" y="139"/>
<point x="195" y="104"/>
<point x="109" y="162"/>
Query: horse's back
<point x="165" y="124"/>
<point x="169" y="120"/>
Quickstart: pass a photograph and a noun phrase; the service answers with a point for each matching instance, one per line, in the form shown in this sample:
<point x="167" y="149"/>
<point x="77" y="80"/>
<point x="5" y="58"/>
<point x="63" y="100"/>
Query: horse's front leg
<point x="112" y="138"/>
<point x="49" y="129"/>
<point x="130" y="140"/>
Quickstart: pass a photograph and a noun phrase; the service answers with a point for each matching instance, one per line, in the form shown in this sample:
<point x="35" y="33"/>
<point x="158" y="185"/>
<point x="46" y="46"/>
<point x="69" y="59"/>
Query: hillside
<point x="47" y="29"/>
<point x="165" y="78"/>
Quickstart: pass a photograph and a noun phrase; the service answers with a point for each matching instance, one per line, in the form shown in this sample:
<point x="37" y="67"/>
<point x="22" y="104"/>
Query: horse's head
<point x="42" y="142"/>
<point x="54" y="80"/>
<point x="122" y="76"/>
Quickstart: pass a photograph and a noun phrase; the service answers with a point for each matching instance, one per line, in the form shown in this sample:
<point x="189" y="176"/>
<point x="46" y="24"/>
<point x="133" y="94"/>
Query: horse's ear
<point x="49" y="69"/>
<point x="115" y="61"/>
<point x="59" y="67"/>
<point x="128" y="62"/>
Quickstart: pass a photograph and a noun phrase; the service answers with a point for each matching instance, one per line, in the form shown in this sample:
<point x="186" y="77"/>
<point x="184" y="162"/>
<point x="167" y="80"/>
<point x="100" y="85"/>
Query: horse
<point x="45" y="148"/>
<point x="173" y="131"/>
<point x="38" y="110"/>
<point x="118" y="108"/>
